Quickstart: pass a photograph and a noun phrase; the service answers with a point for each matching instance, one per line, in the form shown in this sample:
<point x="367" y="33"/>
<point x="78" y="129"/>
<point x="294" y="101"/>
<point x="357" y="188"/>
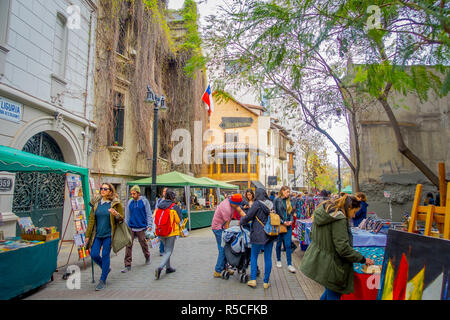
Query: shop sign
<point x="272" y="180"/>
<point x="10" y="110"/>
<point x="235" y="122"/>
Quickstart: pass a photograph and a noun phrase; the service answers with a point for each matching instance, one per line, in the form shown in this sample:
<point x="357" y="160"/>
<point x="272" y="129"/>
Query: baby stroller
<point x="237" y="249"/>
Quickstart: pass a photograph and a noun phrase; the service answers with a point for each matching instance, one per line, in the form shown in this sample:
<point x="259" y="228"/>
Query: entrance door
<point x="41" y="195"/>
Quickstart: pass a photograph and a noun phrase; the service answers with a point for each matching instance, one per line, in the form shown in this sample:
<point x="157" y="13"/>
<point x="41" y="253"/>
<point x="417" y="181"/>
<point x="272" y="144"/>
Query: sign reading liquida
<point x="10" y="110"/>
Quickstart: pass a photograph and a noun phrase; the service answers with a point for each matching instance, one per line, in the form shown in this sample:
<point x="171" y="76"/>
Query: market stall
<point x="199" y="209"/>
<point x="371" y="243"/>
<point x="28" y="264"/>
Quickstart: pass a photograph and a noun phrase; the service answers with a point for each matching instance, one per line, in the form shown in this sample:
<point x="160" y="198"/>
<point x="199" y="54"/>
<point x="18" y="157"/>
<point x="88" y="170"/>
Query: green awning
<point x="174" y="179"/>
<point x="220" y="184"/>
<point x="13" y="160"/>
<point x="347" y="189"/>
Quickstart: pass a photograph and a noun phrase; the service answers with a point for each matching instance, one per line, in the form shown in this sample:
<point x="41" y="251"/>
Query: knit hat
<point x="236" y="199"/>
<point x="136" y="188"/>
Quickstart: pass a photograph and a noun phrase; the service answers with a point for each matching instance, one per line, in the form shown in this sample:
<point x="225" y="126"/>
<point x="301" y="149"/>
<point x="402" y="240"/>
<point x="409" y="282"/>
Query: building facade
<point x="131" y="59"/>
<point x="246" y="146"/>
<point x="46" y="96"/>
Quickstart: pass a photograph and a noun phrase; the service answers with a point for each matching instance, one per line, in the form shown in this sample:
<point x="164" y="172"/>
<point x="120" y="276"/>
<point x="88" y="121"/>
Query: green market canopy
<point x="13" y="160"/>
<point x="178" y="179"/>
<point x="220" y="184"/>
<point x="348" y="189"/>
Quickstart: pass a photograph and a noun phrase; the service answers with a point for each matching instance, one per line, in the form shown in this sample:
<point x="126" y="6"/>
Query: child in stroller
<point x="237" y="248"/>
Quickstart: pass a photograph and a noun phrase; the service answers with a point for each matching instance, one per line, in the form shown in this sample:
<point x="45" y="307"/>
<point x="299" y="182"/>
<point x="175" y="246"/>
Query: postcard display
<point x="78" y="212"/>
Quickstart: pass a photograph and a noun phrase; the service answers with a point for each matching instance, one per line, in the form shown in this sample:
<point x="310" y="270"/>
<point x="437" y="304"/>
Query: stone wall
<point x="426" y="131"/>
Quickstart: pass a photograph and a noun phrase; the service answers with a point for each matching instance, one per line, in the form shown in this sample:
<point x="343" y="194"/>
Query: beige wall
<point x="232" y="109"/>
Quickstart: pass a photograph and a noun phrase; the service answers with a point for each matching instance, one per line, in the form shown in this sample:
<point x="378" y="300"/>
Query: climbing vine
<point x="151" y="57"/>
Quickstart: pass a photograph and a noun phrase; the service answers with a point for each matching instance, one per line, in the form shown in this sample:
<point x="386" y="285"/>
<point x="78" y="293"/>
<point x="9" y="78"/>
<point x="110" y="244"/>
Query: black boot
<point x="157" y="273"/>
<point x="170" y="270"/>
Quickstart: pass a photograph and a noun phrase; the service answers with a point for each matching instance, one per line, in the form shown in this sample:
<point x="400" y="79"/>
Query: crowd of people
<point x="328" y="260"/>
<point x="330" y="257"/>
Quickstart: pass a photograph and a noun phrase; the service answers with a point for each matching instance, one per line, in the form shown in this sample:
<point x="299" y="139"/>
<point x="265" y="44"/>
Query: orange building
<point x="233" y="143"/>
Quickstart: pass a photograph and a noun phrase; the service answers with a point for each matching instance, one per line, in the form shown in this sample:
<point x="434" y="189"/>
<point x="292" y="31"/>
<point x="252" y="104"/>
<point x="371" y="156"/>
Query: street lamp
<point x="339" y="170"/>
<point x="160" y="104"/>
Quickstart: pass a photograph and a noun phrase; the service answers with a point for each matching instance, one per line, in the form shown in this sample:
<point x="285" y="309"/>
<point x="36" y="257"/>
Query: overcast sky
<point x="339" y="133"/>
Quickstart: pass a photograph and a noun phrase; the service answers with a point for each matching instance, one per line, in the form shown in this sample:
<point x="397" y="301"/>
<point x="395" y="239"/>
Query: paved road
<point x="194" y="258"/>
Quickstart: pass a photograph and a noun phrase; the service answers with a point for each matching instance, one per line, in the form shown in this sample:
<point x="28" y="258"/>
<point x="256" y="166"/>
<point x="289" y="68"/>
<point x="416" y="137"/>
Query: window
<point x="223" y="168"/>
<point x="121" y="44"/>
<point x="60" y="46"/>
<point x="268" y="138"/>
<point x="123" y="29"/>
<point x="245" y="164"/>
<point x="231" y="137"/>
<point x="237" y="165"/>
<point x="214" y="166"/>
<point x="230" y="167"/>
<point x="118" y="113"/>
<point x="4" y="14"/>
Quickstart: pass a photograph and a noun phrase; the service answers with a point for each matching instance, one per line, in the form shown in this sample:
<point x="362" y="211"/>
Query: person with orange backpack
<point x="167" y="228"/>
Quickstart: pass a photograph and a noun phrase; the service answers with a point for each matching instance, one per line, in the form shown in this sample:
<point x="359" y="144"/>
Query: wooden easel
<point x="440" y="215"/>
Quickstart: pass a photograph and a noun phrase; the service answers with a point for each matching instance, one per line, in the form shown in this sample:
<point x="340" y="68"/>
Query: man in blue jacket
<point x="138" y="216"/>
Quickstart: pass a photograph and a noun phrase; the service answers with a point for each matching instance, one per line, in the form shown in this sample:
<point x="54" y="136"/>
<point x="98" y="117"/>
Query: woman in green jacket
<point x="330" y="256"/>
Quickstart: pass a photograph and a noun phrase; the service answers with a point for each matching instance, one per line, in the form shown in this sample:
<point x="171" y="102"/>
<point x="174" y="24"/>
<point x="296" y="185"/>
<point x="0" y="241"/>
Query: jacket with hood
<point x="361" y="214"/>
<point x="175" y="219"/>
<point x="92" y="229"/>
<point x="330" y="256"/>
<point x="261" y="209"/>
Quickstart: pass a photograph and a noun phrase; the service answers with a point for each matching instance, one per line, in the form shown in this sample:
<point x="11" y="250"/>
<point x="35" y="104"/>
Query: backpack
<point x="163" y="227"/>
<point x="272" y="227"/>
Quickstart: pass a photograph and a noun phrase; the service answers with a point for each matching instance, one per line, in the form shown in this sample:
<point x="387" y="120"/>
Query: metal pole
<point x="339" y="172"/>
<point x="188" y="204"/>
<point x="155" y="155"/>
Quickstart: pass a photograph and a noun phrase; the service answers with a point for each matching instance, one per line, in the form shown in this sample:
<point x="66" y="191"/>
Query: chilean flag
<point x="207" y="98"/>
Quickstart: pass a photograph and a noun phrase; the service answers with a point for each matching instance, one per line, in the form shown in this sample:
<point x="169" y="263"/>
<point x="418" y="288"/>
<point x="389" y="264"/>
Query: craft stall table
<point x="303" y="231"/>
<point x="27" y="268"/>
<point x="370" y="245"/>
<point x="201" y="219"/>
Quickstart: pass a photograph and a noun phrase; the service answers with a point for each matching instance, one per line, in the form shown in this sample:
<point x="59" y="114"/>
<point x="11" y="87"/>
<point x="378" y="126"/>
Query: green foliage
<point x="192" y="41"/>
<point x="159" y="17"/>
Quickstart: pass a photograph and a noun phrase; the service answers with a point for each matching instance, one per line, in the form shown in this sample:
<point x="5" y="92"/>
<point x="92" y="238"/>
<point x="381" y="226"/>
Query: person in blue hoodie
<point x="138" y="216"/>
<point x="362" y="213"/>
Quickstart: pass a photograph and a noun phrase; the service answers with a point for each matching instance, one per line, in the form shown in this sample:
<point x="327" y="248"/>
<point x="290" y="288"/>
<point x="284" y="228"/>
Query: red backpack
<point x="162" y="222"/>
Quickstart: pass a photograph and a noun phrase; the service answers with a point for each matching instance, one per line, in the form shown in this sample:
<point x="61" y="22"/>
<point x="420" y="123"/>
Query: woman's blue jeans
<point x="104" y="261"/>
<point x="287" y="239"/>
<point x="221" y="260"/>
<point x="330" y="295"/>
<point x="256" y="249"/>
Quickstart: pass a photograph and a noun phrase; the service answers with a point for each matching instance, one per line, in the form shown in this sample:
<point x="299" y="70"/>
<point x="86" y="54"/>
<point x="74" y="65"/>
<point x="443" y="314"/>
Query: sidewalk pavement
<point x="194" y="258"/>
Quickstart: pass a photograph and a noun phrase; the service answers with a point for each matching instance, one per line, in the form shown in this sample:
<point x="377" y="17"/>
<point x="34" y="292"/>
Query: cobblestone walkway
<point x="194" y="258"/>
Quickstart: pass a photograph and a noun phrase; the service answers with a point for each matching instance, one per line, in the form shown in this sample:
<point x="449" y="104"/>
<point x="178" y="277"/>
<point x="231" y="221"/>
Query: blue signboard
<point x="10" y="110"/>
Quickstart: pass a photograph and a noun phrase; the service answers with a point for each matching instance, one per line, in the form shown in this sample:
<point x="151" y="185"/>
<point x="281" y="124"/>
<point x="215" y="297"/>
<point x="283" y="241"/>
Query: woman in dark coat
<point x="258" y="215"/>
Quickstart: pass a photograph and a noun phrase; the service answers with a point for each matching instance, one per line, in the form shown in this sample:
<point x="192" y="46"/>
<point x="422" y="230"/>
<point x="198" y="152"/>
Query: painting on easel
<point x="415" y="267"/>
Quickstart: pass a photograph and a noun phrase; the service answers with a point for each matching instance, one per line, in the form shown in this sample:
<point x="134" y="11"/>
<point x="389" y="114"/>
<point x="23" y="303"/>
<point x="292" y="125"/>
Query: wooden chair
<point x="430" y="213"/>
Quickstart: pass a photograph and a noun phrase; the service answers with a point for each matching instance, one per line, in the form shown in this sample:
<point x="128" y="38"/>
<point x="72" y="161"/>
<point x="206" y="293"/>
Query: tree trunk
<point x="357" y="152"/>
<point x="402" y="148"/>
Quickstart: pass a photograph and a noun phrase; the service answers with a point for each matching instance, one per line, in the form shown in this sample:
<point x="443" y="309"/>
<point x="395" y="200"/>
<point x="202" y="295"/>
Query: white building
<point x="46" y="73"/>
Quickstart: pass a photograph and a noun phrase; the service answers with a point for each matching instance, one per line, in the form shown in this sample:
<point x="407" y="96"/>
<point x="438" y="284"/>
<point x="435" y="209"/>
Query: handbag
<point x="122" y="237"/>
<point x="283" y="228"/>
<point x="272" y="227"/>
